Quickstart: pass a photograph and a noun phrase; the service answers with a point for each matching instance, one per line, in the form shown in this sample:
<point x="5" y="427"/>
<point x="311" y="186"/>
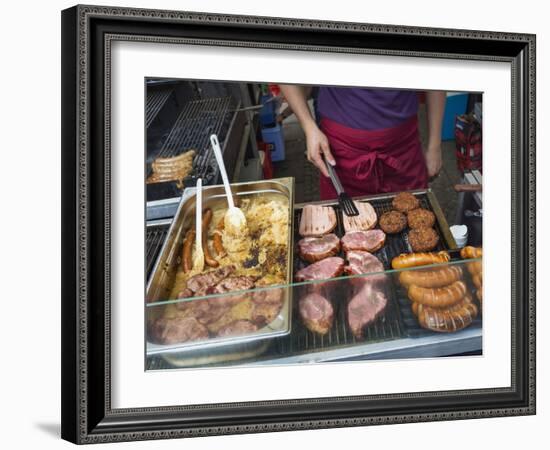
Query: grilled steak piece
<point x="200" y="283"/>
<point x="326" y="268"/>
<point x="266" y="306"/>
<point x="368" y="241"/>
<point x="363" y="263"/>
<point x="176" y="330"/>
<point x="314" y="249"/>
<point x="364" y="307"/>
<point x="237" y="328"/>
<point x="317" y="220"/>
<point x="230" y="284"/>
<point x="317" y="313"/>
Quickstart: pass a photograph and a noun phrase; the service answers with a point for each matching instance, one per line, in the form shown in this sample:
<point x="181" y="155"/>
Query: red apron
<point x="375" y="161"/>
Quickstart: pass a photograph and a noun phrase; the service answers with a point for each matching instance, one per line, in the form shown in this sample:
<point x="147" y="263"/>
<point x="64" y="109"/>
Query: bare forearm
<point x="296" y="97"/>
<point x="435" y="104"/>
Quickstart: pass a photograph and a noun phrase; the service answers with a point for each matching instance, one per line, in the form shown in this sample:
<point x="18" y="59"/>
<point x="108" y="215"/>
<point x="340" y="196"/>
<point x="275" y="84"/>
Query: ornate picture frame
<point x="87" y="35"/>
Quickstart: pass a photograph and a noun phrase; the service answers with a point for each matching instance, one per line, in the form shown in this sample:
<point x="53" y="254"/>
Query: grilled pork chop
<point x="317" y="313"/>
<point x="175" y="330"/>
<point x="364" y="307"/>
<point x="200" y="283"/>
<point x="368" y="241"/>
<point x="317" y="220"/>
<point x="326" y="268"/>
<point x="314" y="249"/>
<point x="237" y="328"/>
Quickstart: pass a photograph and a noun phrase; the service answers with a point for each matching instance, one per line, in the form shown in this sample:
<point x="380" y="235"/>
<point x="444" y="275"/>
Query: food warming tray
<point x="164" y="271"/>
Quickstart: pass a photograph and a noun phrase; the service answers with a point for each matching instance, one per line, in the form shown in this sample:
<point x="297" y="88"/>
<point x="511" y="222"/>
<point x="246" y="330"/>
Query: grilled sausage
<point x="479" y="295"/>
<point x="432" y="278"/>
<point x="474" y="267"/>
<point x="406" y="260"/>
<point x="208" y="258"/>
<point x="470" y="252"/>
<point x="442" y="297"/>
<point x="218" y="244"/>
<point x="447" y="320"/>
<point x="186" y="260"/>
<point x="477" y="279"/>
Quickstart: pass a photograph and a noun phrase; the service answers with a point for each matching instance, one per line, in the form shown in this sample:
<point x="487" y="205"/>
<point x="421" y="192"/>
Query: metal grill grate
<point x="156" y="98"/>
<point x="192" y="129"/>
<point x="156" y="234"/>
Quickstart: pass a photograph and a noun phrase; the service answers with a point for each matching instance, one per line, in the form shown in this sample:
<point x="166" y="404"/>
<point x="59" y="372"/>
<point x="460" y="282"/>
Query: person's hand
<point x="317" y="146"/>
<point x="433" y="160"/>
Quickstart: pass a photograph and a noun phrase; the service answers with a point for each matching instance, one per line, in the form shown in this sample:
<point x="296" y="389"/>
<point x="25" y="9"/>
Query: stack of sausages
<point x="440" y="299"/>
<point x="475" y="268"/>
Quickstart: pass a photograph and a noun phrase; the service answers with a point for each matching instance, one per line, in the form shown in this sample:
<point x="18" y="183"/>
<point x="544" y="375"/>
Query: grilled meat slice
<point x="316" y="313"/>
<point x="176" y="330"/>
<point x="237" y="328"/>
<point x="326" y="268"/>
<point x="317" y="220"/>
<point x="364" y="307"/>
<point x="266" y="306"/>
<point x="368" y="241"/>
<point x="200" y="283"/>
<point x="366" y="219"/>
<point x="314" y="249"/>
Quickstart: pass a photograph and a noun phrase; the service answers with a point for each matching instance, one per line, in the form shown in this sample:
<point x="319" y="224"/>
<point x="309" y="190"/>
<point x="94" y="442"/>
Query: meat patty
<point x="405" y="202"/>
<point x="326" y="268"/>
<point x="368" y="241"/>
<point x="176" y="330"/>
<point x="420" y="217"/>
<point x="313" y="249"/>
<point x="200" y="283"/>
<point x="393" y="222"/>
<point x="423" y="239"/>
<point x="237" y="328"/>
<point x="364" y="308"/>
<point x="316" y="313"/>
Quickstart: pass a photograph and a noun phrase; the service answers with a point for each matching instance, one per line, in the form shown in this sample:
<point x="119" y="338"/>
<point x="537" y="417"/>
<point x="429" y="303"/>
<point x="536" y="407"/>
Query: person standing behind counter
<point x="371" y="137"/>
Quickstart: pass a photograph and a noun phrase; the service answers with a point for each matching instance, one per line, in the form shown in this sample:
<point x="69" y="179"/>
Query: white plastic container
<point x="460" y="234"/>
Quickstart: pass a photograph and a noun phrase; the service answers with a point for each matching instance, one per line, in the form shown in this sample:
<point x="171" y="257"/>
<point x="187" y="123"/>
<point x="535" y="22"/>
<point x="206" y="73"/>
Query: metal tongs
<point x="345" y="201"/>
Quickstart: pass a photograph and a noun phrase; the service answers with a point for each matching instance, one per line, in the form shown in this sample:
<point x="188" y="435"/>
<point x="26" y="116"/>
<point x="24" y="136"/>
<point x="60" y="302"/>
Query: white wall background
<point x="30" y="193"/>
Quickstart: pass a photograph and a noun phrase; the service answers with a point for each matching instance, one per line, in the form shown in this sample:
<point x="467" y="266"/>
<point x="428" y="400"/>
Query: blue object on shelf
<point x="268" y="117"/>
<point x="455" y="105"/>
<point x="274" y="137"/>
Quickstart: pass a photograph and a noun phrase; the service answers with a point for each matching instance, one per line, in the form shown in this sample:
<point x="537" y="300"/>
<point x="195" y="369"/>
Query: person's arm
<point x="317" y="142"/>
<point x="435" y="104"/>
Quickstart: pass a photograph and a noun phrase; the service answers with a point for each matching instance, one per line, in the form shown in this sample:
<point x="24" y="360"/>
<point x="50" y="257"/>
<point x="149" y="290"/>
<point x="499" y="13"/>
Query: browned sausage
<point x="218" y="244"/>
<point x="450" y="319"/>
<point x="186" y="260"/>
<point x="431" y="278"/>
<point x="406" y="260"/>
<point x="208" y="258"/>
<point x="442" y="297"/>
<point x="470" y="252"/>
<point x="474" y="267"/>
<point x="477" y="279"/>
<point x="479" y="295"/>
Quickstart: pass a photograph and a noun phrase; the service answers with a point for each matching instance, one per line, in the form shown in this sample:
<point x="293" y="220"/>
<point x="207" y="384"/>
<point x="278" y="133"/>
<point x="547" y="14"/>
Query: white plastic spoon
<point x="198" y="261"/>
<point x="234" y="219"/>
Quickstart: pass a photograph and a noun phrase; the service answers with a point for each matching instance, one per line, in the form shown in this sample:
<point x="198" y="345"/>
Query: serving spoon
<point x="198" y="260"/>
<point x="234" y="219"/>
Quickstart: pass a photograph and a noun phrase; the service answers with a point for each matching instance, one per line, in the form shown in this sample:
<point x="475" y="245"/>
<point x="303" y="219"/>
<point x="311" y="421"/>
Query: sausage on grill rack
<point x="446" y="320"/>
<point x="442" y="297"/>
<point x="431" y="278"/>
<point x="406" y="260"/>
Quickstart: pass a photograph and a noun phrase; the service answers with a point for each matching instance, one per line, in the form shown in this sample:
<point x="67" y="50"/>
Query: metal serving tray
<point x="164" y="271"/>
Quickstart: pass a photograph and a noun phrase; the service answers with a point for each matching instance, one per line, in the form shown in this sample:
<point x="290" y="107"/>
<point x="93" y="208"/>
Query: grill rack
<point x="154" y="240"/>
<point x="192" y="129"/>
<point x="156" y="99"/>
